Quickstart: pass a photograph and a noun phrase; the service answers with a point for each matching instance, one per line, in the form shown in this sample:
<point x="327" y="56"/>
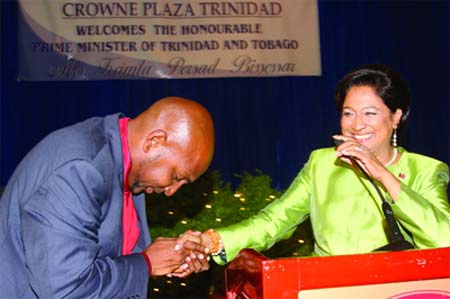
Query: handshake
<point x="180" y="257"/>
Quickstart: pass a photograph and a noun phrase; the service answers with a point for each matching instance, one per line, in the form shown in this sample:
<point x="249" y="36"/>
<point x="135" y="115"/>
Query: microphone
<point x="396" y="239"/>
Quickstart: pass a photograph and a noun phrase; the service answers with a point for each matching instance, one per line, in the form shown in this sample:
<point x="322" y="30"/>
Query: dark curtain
<point x="270" y="124"/>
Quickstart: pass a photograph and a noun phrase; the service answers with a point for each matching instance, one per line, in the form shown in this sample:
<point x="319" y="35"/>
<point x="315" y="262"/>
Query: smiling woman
<point x="368" y="121"/>
<point x="334" y="188"/>
<point x="374" y="103"/>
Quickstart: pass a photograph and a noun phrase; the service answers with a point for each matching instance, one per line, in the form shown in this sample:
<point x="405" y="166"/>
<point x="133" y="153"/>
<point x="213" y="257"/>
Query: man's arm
<point x="60" y="225"/>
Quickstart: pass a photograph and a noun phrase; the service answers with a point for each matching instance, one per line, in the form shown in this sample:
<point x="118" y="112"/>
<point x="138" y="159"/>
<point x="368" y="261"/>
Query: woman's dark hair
<point x="386" y="82"/>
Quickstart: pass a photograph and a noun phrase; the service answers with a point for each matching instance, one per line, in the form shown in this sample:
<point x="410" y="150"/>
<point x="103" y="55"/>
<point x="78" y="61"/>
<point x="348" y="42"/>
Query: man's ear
<point x="154" y="139"/>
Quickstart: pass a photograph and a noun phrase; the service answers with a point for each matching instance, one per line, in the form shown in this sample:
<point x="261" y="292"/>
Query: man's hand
<point x="197" y="261"/>
<point x="169" y="254"/>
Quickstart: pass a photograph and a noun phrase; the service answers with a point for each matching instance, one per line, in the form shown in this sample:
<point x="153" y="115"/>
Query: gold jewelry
<point x="216" y="242"/>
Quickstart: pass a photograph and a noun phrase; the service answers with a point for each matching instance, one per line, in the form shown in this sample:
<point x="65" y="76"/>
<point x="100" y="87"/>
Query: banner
<point x="96" y="40"/>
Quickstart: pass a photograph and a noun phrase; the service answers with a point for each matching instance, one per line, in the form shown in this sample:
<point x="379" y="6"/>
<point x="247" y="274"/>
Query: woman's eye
<point x="346" y="113"/>
<point x="371" y="113"/>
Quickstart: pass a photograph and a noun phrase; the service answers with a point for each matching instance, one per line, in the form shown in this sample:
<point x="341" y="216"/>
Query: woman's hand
<point x="350" y="151"/>
<point x="196" y="261"/>
<point x="360" y="154"/>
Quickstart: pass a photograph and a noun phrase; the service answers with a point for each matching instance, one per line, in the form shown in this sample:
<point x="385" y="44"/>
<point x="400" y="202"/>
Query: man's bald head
<point x="176" y="129"/>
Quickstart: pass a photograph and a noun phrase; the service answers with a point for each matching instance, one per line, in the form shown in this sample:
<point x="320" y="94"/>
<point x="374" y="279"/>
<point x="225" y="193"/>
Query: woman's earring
<point x="394" y="138"/>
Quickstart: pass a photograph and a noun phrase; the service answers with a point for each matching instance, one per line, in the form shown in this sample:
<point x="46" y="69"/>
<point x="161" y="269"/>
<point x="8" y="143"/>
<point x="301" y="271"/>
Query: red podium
<point x="411" y="274"/>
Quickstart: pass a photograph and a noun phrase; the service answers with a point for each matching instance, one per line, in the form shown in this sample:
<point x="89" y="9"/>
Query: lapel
<point x="112" y="225"/>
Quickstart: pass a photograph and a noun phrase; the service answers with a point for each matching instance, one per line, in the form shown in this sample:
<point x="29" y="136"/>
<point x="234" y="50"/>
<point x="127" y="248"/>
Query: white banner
<point x="94" y="40"/>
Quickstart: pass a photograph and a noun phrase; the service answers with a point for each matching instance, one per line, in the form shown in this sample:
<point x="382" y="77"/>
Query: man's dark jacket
<point x="60" y="219"/>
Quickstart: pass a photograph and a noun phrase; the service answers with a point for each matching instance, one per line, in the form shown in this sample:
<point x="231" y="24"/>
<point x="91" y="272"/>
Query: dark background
<point x="270" y="124"/>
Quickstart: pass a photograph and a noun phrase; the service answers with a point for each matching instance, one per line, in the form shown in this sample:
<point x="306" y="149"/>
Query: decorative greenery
<point x="207" y="203"/>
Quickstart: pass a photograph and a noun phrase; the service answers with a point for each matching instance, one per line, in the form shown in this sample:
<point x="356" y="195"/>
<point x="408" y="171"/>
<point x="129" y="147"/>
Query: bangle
<point x="216" y="242"/>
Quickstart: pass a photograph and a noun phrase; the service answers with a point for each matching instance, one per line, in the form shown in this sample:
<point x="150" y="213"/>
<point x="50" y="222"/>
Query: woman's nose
<point x="358" y="123"/>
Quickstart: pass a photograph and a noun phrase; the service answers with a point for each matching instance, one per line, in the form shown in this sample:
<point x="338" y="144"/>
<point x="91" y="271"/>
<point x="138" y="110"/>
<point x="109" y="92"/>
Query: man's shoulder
<point x="89" y="141"/>
<point x="84" y="138"/>
<point x="90" y="126"/>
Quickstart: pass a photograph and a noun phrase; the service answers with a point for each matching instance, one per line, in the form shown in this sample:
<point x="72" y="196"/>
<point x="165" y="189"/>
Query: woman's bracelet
<point x="216" y="242"/>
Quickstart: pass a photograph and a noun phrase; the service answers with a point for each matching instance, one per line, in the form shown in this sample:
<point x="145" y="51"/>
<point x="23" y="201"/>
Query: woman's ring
<point x="358" y="148"/>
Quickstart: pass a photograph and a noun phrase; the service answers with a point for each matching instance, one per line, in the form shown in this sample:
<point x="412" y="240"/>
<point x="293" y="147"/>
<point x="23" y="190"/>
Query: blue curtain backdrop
<point x="270" y="124"/>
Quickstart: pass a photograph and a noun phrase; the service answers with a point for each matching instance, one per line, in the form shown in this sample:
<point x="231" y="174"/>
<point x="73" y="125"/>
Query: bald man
<point x="72" y="217"/>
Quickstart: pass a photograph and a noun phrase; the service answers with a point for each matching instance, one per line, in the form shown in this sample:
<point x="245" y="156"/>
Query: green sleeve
<point x="423" y="209"/>
<point x="275" y="222"/>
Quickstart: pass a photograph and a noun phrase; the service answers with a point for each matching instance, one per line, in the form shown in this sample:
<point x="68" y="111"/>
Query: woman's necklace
<point x="394" y="156"/>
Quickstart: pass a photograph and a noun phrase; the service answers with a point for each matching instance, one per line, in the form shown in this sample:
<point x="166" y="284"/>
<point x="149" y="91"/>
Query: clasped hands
<point x="178" y="257"/>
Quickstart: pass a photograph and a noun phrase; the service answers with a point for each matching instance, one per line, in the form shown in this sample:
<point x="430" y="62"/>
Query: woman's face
<point x="368" y="120"/>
